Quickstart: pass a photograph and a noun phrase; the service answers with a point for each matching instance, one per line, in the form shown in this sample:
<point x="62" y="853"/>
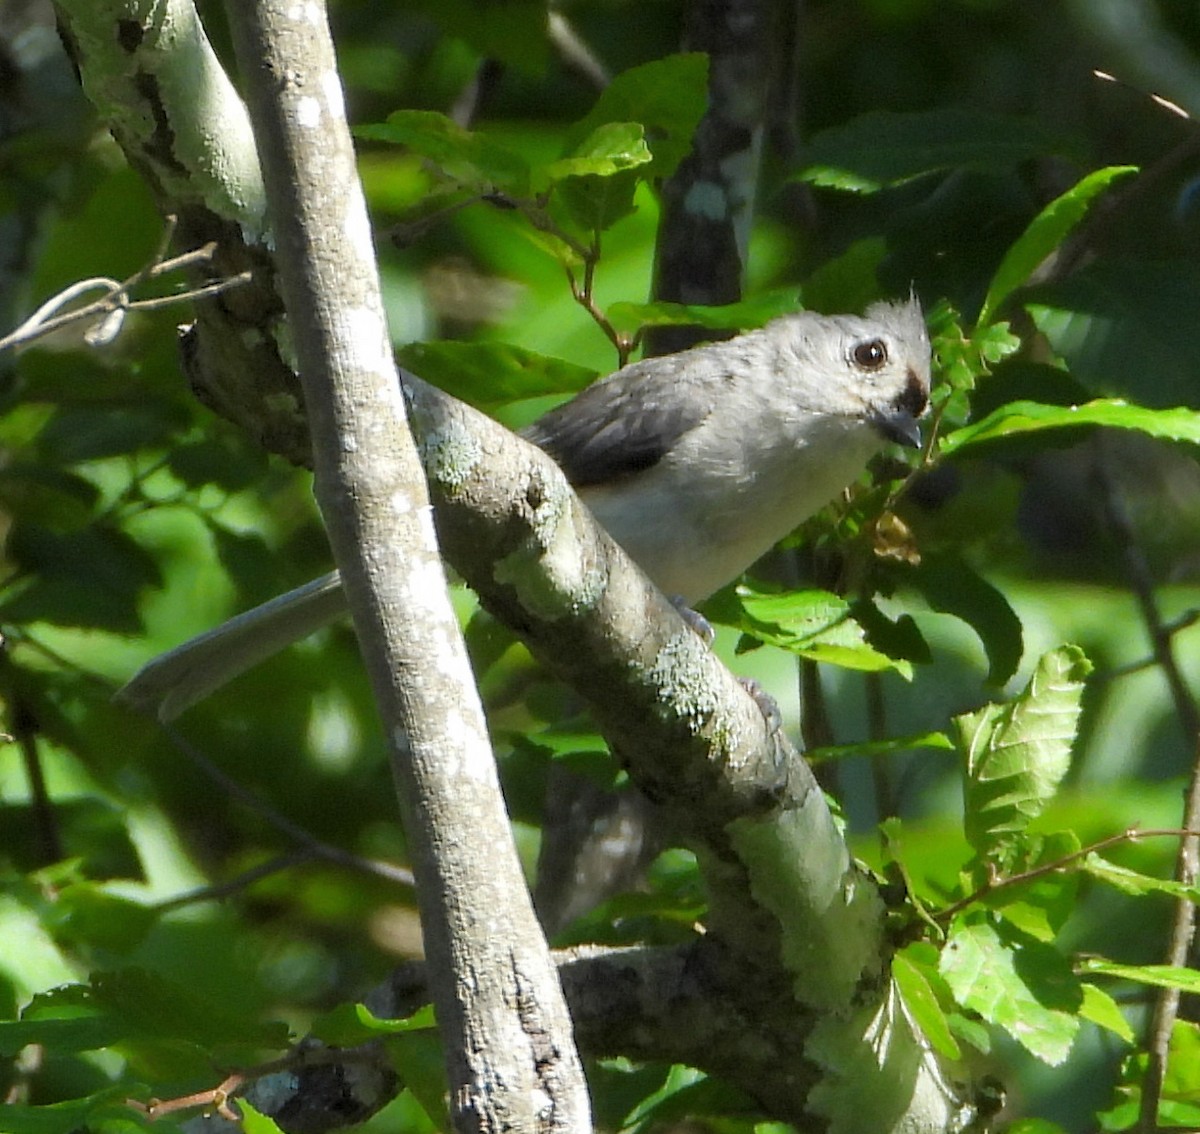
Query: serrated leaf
<point x="1040" y="906"/>
<point x="666" y="96"/>
<point x="812" y="624"/>
<point x="348" y="1025"/>
<point x="1158" y="976"/>
<point x="491" y="374"/>
<point x="1135" y="884"/>
<point x="1020" y="418"/>
<point x="923" y="1007"/>
<point x="1102" y="1010"/>
<point x="468" y="159"/>
<point x="609" y="149"/>
<point x="1016" y="754"/>
<point x="1045" y="233"/>
<point x="949" y="585"/>
<point x="879" y="747"/>
<point x="886" y="148"/>
<point x="1017" y="983"/>
<point x="749" y="313"/>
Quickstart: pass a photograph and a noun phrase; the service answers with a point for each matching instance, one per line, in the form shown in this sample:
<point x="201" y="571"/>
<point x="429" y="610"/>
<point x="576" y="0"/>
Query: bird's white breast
<point x="715" y="504"/>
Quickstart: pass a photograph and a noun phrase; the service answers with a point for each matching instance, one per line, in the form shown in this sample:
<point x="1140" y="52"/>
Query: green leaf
<point x="255" y="1122"/>
<point x="92" y="577"/>
<point x="1040" y="906"/>
<point x="512" y="31"/>
<point x="1135" y="884"/>
<point x="1016" y="754"/>
<point x="749" y="313"/>
<point x="951" y="586"/>
<point x="879" y="747"/>
<point x="85" y="915"/>
<point x="417" y="1057"/>
<point x="666" y="96"/>
<point x="348" y="1025"/>
<point x="88" y="1032"/>
<point x="58" y="499"/>
<point x="1102" y="1010"/>
<point x="150" y="1005"/>
<point x="811" y="624"/>
<point x="488" y="375"/>
<point x="1017" y="983"/>
<point x="89" y="433"/>
<point x="885" y="148"/>
<point x="609" y="149"/>
<point x="923" y="1006"/>
<point x="92" y="1113"/>
<point x="469" y="159"/>
<point x="847" y="282"/>
<point x="1044" y="234"/>
<point x="1158" y="976"/>
<point x="1020" y="418"/>
<point x="1116" y="323"/>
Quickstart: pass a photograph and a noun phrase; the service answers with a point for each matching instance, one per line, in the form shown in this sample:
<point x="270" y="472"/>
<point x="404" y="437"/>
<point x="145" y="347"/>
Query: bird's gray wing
<point x="627" y="422"/>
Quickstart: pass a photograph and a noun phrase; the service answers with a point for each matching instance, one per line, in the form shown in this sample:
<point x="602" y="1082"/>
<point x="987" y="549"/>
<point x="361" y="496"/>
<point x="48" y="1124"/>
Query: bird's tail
<point x="187" y="674"/>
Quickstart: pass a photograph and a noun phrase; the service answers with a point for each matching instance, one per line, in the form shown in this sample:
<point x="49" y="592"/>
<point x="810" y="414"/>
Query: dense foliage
<point x="995" y="639"/>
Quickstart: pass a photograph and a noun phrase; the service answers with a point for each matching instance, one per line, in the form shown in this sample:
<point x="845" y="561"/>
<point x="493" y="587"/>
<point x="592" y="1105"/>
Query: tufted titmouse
<point x="696" y="463"/>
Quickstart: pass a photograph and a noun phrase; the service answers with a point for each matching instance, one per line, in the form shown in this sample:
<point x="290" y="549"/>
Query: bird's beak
<point x="899" y="426"/>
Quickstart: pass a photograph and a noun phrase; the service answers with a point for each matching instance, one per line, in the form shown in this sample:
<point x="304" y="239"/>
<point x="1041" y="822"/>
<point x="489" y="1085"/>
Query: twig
<point x="1187" y="864"/>
<point x="574" y="52"/>
<point x="312" y="845"/>
<point x="995" y="884"/>
<point x="116" y="298"/>
<point x="238" y="883"/>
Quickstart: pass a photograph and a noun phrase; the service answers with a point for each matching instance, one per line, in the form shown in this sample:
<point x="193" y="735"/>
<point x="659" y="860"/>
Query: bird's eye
<point x="870" y="355"/>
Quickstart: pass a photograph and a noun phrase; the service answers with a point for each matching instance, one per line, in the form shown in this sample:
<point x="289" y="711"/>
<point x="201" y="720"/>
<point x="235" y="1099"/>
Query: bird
<point x="696" y="463"/>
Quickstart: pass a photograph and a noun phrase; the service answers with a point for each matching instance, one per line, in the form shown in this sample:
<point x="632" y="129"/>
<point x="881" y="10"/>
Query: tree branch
<point x="504" y="1025"/>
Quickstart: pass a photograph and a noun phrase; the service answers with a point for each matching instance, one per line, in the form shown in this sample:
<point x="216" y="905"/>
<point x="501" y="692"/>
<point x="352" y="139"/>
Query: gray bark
<point x="510" y="1055"/>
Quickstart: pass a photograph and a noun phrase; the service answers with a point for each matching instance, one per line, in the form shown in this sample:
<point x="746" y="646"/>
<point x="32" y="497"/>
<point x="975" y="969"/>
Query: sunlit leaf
<point x="1019" y="418"/>
<point x="467" y="158"/>
<point x="1044" y="234"/>
<point x="816" y="625"/>
<point x="1103" y="1011"/>
<point x="1158" y="976"/>
<point x="666" y="96"/>
<point x="610" y="148"/>
<point x="1016" y="754"/>
<point x="348" y="1025"/>
<point x="1135" y="884"/>
<point x="922" y="1005"/>
<point x="1017" y="983"/>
